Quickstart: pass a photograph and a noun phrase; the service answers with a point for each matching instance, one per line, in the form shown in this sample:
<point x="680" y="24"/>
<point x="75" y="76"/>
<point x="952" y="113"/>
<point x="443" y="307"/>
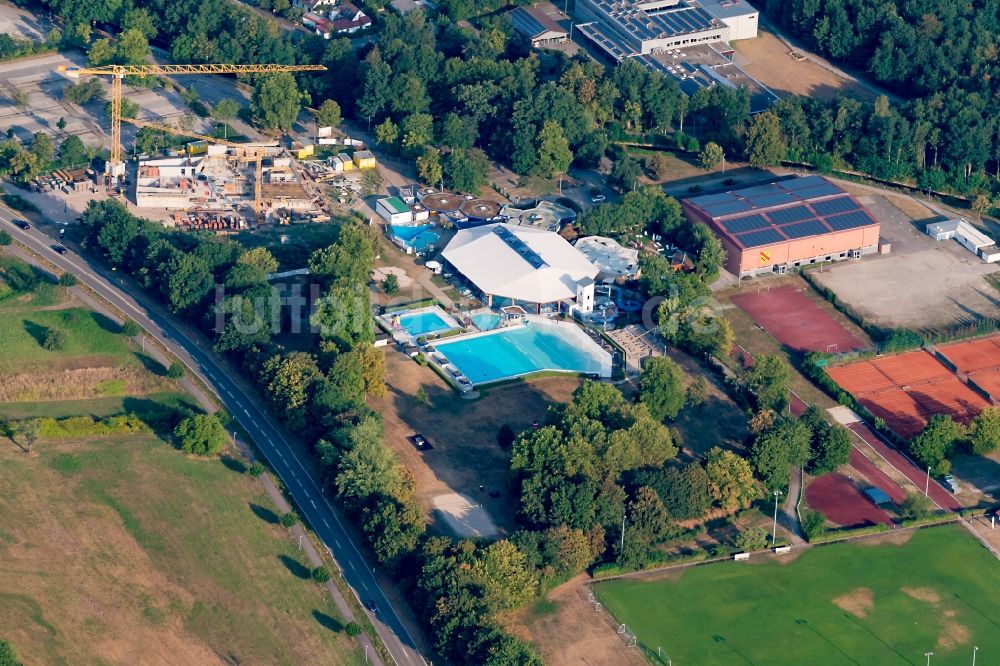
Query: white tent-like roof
<point x="522" y="263"/>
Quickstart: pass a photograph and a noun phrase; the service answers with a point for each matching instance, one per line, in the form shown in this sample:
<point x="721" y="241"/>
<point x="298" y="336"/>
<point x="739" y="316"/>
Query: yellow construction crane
<point x="253" y="152"/>
<point x="115" y="166"/>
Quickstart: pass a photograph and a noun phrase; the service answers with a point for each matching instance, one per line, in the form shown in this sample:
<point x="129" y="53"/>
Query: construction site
<point x="192" y="179"/>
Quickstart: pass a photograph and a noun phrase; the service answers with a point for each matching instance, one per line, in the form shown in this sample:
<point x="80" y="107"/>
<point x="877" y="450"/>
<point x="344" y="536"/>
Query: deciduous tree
<point x="730" y="479"/>
<point x="710" y="156"/>
<point x="764" y="145"/>
<point x="985" y="433"/>
<point x="661" y="386"/>
<point x="202" y="434"/>
<point x="276" y="101"/>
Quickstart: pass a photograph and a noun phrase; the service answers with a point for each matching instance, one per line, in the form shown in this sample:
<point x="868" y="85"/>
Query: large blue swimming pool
<point x="416" y="236"/>
<point x="421" y="323"/>
<point x="511" y="352"/>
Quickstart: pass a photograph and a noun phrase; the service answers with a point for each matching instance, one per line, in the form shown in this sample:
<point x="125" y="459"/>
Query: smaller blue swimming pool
<point x="422" y="323"/>
<point x="485" y="321"/>
<point x="417" y="237"/>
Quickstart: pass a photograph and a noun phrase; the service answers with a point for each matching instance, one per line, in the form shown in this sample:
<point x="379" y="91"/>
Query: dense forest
<point x="452" y="98"/>
<point x="940" y="56"/>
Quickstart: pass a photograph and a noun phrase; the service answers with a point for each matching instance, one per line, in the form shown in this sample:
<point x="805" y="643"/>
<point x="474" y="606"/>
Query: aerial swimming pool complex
<point x="539" y="345"/>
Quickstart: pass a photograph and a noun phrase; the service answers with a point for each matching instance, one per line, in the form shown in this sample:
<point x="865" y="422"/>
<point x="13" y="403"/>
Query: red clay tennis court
<point x="837" y="498"/>
<point x="796" y="321"/>
<point x="905" y="390"/>
<point x="979" y="360"/>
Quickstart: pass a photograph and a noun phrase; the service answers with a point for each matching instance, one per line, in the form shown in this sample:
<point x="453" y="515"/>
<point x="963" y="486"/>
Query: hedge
<point x="87" y="426"/>
<point x="837" y="535"/>
<point x="655" y="561"/>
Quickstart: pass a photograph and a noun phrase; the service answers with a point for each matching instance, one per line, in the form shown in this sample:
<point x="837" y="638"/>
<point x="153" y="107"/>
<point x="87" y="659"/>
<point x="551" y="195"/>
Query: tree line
<point x="938" y="55"/>
<point x="452" y="98"/>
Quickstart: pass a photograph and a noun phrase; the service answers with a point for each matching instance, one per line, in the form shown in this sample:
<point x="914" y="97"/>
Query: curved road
<point x="268" y="437"/>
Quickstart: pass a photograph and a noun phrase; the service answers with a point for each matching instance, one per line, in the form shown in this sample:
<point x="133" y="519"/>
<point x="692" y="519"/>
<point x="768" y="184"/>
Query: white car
<point x="951" y="483"/>
<point x="598" y="198"/>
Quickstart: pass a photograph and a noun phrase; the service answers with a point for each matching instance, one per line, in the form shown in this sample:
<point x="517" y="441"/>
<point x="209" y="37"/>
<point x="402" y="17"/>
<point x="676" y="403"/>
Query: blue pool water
<point x="485" y="321"/>
<point x="511" y="352"/>
<point x="421" y="323"/>
<point x="415" y="236"/>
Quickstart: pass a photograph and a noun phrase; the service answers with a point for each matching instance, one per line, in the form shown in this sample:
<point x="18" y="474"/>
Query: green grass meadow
<point x="24" y="286"/>
<point x="870" y="603"/>
<point x="88" y="334"/>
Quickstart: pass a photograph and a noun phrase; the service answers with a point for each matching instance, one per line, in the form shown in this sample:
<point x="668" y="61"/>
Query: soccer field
<point x="868" y="603"/>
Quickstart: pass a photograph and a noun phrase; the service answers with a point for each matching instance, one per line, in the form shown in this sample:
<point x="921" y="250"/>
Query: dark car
<point x="23" y="224"/>
<point x="371" y="605"/>
<point x="61" y="249"/>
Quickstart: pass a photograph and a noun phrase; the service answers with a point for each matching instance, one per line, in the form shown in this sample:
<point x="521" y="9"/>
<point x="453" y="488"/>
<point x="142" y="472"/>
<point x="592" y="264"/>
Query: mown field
<point x="125" y="551"/>
<point x="887" y="602"/>
<point x="122" y="549"/>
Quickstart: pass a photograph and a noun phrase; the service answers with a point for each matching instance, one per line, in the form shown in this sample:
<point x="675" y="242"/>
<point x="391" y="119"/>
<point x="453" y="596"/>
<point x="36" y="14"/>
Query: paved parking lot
<point x="921" y="284"/>
<point x="19" y="23"/>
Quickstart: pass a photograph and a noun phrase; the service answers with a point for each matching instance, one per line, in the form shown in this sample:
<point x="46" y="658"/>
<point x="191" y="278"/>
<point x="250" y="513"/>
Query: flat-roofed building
<point x="780" y="226"/>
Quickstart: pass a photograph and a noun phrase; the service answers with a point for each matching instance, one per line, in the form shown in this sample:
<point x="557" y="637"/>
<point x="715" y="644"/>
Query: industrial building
<point x="786" y="224"/>
<point x="685" y="39"/>
<point x="536" y="26"/>
<point x="640" y="27"/>
<point x="535" y="269"/>
<point x="972" y="239"/>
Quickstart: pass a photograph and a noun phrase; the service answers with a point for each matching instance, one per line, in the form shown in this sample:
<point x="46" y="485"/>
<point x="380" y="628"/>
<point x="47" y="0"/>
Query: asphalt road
<point x="269" y="439"/>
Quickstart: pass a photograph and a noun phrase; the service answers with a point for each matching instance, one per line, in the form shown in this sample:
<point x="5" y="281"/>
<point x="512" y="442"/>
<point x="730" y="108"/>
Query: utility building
<point x="780" y="226"/>
<point x="536" y="26"/>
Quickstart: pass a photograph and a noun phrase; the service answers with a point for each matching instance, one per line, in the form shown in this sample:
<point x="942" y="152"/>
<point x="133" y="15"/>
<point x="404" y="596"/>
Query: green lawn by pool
<point x="841" y="604"/>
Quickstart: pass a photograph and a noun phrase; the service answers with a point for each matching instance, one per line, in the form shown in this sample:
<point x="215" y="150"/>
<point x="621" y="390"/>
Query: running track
<point x="859" y="461"/>
<point x="936" y="491"/>
<point x="875" y="476"/>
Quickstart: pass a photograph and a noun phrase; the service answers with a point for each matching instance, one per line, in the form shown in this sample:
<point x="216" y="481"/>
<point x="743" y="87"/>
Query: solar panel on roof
<point x="748" y="223"/>
<point x="794" y="184"/>
<point x="853" y="220"/>
<point x="841" y="205"/>
<point x="669" y="24"/>
<point x="727" y="208"/>
<point x="823" y="190"/>
<point x="786" y="215"/>
<point x="758" y="238"/>
<point x="757" y="190"/>
<point x="764" y="200"/>
<point x="525" y="23"/>
<point x="683" y="19"/>
<point x="803" y="229"/>
<point x="709" y="199"/>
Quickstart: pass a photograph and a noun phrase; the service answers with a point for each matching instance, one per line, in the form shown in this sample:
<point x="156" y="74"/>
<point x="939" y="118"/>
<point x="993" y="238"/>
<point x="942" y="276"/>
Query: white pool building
<point x="515" y="265"/>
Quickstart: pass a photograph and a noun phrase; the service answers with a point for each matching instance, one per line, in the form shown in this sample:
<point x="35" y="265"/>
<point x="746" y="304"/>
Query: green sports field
<point x="841" y="604"/>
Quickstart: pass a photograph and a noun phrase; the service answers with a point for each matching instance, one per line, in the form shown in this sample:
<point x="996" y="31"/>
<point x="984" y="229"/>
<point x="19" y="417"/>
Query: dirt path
<point x="571" y="632"/>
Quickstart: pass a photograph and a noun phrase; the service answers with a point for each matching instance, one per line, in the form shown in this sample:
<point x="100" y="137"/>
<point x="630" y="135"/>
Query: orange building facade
<point x="780" y="226"/>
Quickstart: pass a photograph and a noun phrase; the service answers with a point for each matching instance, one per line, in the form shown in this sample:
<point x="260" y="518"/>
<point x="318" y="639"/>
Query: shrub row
<point x="88" y="426"/>
<point x="836" y="535"/>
